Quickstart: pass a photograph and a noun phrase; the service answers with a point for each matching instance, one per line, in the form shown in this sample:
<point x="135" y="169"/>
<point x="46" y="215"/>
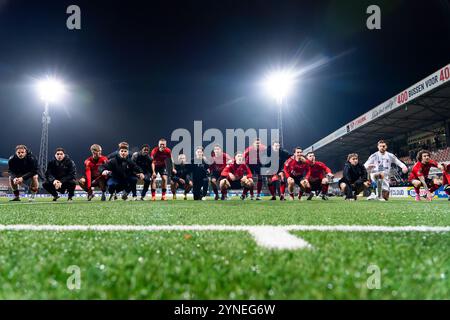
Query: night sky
<point x="140" y="69"/>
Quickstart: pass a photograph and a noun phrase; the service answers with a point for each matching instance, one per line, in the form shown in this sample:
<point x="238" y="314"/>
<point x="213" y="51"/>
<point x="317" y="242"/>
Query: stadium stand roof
<point x="418" y="108"/>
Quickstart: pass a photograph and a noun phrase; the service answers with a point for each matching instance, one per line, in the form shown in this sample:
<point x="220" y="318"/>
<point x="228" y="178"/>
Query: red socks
<point x="325" y="188"/>
<point x="417" y="190"/>
<point x="272" y="189"/>
<point x="282" y="188"/>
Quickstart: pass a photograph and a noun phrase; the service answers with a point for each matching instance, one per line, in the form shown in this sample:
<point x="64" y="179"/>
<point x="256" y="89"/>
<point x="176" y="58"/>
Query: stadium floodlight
<point x="278" y="85"/>
<point x="50" y="90"/>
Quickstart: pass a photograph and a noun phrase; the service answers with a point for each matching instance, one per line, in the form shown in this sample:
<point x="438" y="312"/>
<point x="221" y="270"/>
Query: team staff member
<point x="143" y="161"/>
<point x="200" y="171"/>
<point x="278" y="180"/>
<point x="60" y="175"/>
<point x="355" y="178"/>
<point x="182" y="178"/>
<point x="23" y="169"/>
<point x="123" y="173"/>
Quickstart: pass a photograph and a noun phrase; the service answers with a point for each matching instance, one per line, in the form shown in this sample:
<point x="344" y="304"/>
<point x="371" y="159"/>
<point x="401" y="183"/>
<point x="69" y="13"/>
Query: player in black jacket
<point x="143" y="161"/>
<point x="278" y="180"/>
<point x="182" y="177"/>
<point x="123" y="173"/>
<point x="23" y="169"/>
<point x="200" y="172"/>
<point x="355" y="178"/>
<point x="122" y="144"/>
<point x="60" y="175"/>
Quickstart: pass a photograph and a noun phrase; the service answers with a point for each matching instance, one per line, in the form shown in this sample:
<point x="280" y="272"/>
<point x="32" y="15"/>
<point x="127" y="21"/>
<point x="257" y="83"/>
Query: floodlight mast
<point x="43" y="150"/>
<point x="50" y="90"/>
<point x="280" y="123"/>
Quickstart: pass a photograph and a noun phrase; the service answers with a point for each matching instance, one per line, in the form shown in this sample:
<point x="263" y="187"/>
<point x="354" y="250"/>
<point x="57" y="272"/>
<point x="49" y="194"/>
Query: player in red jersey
<point x="162" y="157"/>
<point x="92" y="177"/>
<point x="236" y="175"/>
<point x="278" y="180"/>
<point x="296" y="169"/>
<point x="252" y="156"/>
<point x="318" y="178"/>
<point x="419" y="175"/>
<point x="219" y="161"/>
<point x="446" y="179"/>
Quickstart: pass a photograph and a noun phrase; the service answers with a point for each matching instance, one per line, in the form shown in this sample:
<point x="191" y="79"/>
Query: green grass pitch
<point x="223" y="264"/>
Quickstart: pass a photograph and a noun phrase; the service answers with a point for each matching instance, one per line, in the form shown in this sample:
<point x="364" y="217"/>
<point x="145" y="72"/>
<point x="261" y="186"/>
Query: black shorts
<point x="352" y="184"/>
<point x="233" y="184"/>
<point x="162" y="171"/>
<point x="216" y="175"/>
<point x="297" y="179"/>
<point x="27" y="182"/>
<point x="181" y="185"/>
<point x="316" y="185"/>
<point x="255" y="169"/>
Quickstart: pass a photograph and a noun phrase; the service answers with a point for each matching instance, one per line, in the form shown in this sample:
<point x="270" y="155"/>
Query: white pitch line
<point x="278" y="238"/>
<point x="346" y="228"/>
<point x="112" y="227"/>
<point x="270" y="237"/>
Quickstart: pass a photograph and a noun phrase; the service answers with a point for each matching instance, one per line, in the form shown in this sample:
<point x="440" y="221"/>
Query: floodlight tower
<point x="50" y="90"/>
<point x="43" y="150"/>
<point x="278" y="85"/>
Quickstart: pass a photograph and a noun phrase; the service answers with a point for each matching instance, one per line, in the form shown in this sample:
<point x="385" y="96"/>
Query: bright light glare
<point x="279" y="84"/>
<point x="50" y="89"/>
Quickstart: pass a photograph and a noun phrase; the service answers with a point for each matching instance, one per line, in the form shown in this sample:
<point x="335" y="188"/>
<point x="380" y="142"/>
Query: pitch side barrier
<point x="431" y="82"/>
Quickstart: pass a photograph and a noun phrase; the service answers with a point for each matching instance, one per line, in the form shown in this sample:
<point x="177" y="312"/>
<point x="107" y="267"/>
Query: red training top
<point x="159" y="157"/>
<point x="92" y="168"/>
<point x="421" y="170"/>
<point x="239" y="170"/>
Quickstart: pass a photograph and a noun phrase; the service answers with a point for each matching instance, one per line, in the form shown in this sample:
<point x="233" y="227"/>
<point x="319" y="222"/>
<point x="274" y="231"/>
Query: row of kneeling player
<point x="377" y="170"/>
<point x="120" y="171"/>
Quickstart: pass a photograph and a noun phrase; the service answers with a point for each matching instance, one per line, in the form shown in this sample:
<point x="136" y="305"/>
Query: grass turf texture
<point x="224" y="265"/>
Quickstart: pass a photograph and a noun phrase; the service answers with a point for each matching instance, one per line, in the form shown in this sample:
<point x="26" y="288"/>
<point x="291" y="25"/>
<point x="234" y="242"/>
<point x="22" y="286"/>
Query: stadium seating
<point x="441" y="155"/>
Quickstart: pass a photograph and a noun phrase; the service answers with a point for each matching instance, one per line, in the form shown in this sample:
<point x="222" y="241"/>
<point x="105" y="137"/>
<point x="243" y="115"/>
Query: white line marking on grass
<point x="277" y="238"/>
<point x="270" y="237"/>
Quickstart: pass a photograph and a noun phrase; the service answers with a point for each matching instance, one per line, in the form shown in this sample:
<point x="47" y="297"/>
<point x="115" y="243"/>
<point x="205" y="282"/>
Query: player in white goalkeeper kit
<point x="379" y="166"/>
